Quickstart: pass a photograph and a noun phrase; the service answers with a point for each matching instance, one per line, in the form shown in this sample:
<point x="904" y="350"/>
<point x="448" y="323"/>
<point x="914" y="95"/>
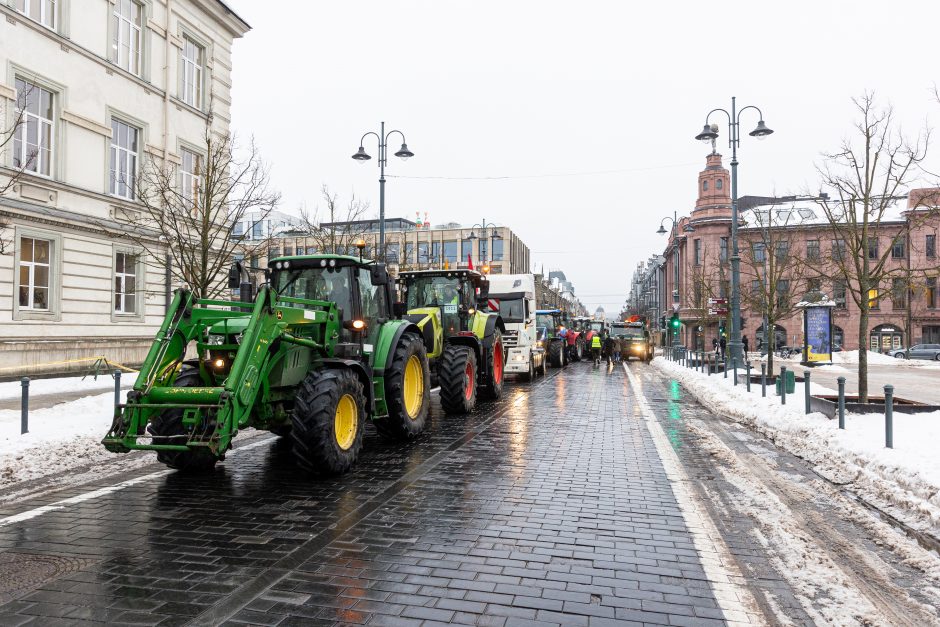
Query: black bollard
<point x="841" y="381"/>
<point x="734" y="361"/>
<point x="763" y="380"/>
<point x="889" y="416"/>
<point x="747" y="368"/>
<point x="806" y="388"/>
<point x="117" y="388"/>
<point x="783" y="385"/>
<point x="24" y="406"/>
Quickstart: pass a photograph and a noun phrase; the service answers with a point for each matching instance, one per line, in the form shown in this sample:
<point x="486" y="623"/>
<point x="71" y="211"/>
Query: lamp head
<point x="709" y="132"/>
<point x="662" y="230"/>
<point x="361" y="155"/>
<point x="761" y="131"/>
<point x="404" y="154"/>
<point x="688" y="228"/>
<point x="472" y="235"/>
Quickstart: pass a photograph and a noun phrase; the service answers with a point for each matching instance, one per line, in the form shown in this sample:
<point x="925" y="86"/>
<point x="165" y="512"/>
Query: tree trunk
<point x="863" y="355"/>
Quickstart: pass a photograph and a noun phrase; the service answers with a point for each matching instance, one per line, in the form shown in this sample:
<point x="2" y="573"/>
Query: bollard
<point x="701" y="362"/>
<point x="725" y="369"/>
<point x="24" y="407"/>
<point x="889" y="416"/>
<point x="806" y="388"/>
<point x="783" y="385"/>
<point x="117" y="388"/>
<point x="734" y="361"/>
<point x="763" y="380"/>
<point x="841" y="381"/>
<point x="747" y="368"/>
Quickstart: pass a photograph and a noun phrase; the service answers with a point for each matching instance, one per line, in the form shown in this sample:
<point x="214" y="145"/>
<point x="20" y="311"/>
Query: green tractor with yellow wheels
<point x="464" y="344"/>
<point x="320" y="352"/>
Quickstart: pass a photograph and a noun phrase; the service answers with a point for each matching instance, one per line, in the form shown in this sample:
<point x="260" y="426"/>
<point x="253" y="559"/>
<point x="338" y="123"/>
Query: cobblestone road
<point x="564" y="503"/>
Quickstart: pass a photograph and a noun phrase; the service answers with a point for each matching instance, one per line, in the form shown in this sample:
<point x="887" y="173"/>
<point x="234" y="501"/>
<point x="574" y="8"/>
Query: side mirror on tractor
<point x="235" y="276"/>
<point x="484" y="289"/>
<point x="399" y="309"/>
<point x="379" y="274"/>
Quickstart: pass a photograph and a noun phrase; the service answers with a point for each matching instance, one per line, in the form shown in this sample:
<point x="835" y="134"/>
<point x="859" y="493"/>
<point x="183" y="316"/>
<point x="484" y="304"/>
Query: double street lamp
<point x="688" y="228"/>
<point x="710" y="134"/>
<point x="362" y="156"/>
<point x="485" y="229"/>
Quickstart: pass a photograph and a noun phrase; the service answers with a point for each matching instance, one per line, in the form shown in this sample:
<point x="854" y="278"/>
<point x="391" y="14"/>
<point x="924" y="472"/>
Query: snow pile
<point x="13" y="389"/>
<point x="904" y="480"/>
<point x="851" y="357"/>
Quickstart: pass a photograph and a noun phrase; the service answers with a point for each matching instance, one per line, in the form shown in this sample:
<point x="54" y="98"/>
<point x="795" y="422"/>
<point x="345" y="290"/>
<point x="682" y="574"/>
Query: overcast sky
<point x="590" y="108"/>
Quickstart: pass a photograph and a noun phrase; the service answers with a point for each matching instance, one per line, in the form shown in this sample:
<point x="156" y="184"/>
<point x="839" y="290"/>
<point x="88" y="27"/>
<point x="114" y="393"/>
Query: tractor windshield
<point x="327" y="284"/>
<point x="628" y="332"/>
<point x="545" y="320"/>
<point x="512" y="310"/>
<point x="436" y="291"/>
<point x="597" y="327"/>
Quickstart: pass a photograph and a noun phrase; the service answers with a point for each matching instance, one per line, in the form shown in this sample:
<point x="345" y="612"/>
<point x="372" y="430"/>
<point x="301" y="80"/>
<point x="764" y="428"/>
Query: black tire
<point x="556" y="354"/>
<point x="577" y="351"/>
<point x="543" y="369"/>
<point x="281" y="430"/>
<point x="317" y="446"/>
<point x="458" y="384"/>
<point x="530" y="375"/>
<point x="493" y="385"/>
<point x="400" y="424"/>
<point x="170" y="423"/>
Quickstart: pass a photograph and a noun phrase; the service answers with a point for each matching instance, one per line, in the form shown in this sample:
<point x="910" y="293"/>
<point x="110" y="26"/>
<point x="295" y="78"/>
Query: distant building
<point x="600" y="314"/>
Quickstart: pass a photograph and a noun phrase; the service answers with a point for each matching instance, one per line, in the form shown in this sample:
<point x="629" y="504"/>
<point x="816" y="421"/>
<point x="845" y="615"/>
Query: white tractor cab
<point x="512" y="296"/>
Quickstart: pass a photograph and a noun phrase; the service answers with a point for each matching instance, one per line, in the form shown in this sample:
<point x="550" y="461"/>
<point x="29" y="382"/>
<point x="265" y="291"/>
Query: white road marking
<point x="88" y="496"/>
<point x="733" y="598"/>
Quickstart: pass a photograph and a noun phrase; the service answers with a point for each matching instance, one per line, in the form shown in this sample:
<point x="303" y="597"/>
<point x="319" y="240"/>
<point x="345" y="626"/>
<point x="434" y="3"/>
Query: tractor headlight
<point x="215" y="340"/>
<point x="518" y="358"/>
<point x="540" y="344"/>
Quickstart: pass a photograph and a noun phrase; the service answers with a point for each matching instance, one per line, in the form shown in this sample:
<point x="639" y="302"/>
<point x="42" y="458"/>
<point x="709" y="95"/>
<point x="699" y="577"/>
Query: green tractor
<point x="464" y="344"/>
<point x="318" y="353"/>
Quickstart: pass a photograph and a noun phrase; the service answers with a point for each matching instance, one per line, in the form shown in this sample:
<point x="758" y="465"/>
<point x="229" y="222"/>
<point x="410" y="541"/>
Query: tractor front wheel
<point x="328" y="419"/>
<point x="458" y="379"/>
<point x="493" y="386"/>
<point x="169" y="428"/>
<point x="407" y="390"/>
<point x="556" y="354"/>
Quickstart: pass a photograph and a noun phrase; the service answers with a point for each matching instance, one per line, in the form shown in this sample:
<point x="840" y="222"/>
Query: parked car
<point x="917" y="351"/>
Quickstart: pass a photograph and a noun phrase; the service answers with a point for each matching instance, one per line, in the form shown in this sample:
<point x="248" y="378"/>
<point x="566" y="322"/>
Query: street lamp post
<point x="709" y="134"/>
<point x="485" y="228"/>
<point x="362" y="156"/>
<point x="688" y="228"/>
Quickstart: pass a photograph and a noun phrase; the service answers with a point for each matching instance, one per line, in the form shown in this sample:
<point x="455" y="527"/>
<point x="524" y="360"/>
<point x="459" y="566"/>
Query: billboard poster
<point x="818" y="321"/>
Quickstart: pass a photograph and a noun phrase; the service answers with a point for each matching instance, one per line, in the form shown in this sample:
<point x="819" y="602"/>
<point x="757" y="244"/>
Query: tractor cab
<point x="450" y="296"/>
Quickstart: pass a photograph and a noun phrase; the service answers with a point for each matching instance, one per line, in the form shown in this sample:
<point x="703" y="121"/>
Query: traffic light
<point x="662" y="322"/>
<point x="674" y="323"/>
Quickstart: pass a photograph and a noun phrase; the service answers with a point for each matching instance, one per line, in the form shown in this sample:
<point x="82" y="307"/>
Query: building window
<point x="191" y="176"/>
<point x="930" y="246"/>
<point x="756" y="287"/>
<point x="698" y="252"/>
<point x="125" y="283"/>
<point x="704" y="186"/>
<point x="897" y="249"/>
<point x="32" y="139"/>
<point x="192" y="59"/>
<point x="254" y="263"/>
<point x="783" y="294"/>
<point x="409" y="253"/>
<point x="435" y="252"/>
<point x="812" y="250"/>
<point x="898" y="294"/>
<point x="813" y="285"/>
<point x="873" y="299"/>
<point x="126" y="38"/>
<point x="497" y="249"/>
<point x="838" y="249"/>
<point x="42" y="11"/>
<point x="35" y="266"/>
<point x="274" y="252"/>
<point x="257" y="230"/>
<point x="450" y="252"/>
<point x="718" y="184"/>
<point x="931" y="293"/>
<point x="238" y="229"/>
<point x="424" y="253"/>
<point x="724" y="289"/>
<point x="392" y="250"/>
<point x="838" y="294"/>
<point x="872" y="246"/>
<point x="288" y="251"/>
<point x="782" y="250"/>
<point x="757" y="250"/>
<point x="723" y="249"/>
<point x="124" y="147"/>
<point x="466" y="249"/>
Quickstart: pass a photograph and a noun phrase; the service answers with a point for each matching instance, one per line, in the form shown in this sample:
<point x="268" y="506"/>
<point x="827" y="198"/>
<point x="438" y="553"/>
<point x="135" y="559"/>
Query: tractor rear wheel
<point x="407" y="390"/>
<point x="328" y="419"/>
<point x="458" y="379"/>
<point x="556" y="354"/>
<point x="493" y="386"/>
<point x="169" y="424"/>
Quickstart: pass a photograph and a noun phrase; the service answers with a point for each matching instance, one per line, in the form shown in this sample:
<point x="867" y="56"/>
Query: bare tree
<point x="188" y="211"/>
<point x="773" y="272"/>
<point x="705" y="281"/>
<point x="866" y="179"/>
<point x="11" y="138"/>
<point x="335" y="229"/>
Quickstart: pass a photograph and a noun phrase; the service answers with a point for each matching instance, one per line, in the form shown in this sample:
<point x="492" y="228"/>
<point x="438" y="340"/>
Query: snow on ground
<point x="13" y="389"/>
<point x="905" y="479"/>
<point x="850" y="358"/>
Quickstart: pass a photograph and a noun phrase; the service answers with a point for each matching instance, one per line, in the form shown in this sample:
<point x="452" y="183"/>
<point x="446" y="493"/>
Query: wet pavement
<point x="561" y="504"/>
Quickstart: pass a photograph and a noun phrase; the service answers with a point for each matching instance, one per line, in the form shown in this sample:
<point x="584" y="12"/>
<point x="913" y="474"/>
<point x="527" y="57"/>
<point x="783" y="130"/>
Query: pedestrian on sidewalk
<point x="619" y="348"/>
<point x="722" y="344"/>
<point x="744" y="342"/>
<point x="716" y="347"/>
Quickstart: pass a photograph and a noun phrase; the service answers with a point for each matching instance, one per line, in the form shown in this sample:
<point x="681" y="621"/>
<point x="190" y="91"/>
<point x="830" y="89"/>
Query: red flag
<point x="470" y="261"/>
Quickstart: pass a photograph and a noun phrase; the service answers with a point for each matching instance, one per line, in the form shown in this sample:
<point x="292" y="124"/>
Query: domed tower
<point x="714" y="191"/>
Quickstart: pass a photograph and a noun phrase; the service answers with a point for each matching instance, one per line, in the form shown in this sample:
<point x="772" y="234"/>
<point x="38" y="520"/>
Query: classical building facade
<point x="91" y="91"/>
<point x="787" y="250"/>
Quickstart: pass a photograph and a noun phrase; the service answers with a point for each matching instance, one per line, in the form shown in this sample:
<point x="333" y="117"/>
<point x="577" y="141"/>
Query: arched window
<point x="704" y="186"/>
<point x="718" y="184"/>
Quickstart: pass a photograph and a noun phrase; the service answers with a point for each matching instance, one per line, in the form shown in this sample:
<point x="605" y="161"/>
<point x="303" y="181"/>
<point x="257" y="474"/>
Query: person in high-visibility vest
<point x="596" y="347"/>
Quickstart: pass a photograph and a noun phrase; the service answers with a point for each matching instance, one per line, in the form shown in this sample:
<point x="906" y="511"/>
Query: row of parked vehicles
<point x="327" y="344"/>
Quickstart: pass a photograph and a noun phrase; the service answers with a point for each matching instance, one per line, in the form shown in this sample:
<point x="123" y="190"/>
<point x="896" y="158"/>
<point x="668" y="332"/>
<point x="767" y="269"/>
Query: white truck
<point x="513" y="297"/>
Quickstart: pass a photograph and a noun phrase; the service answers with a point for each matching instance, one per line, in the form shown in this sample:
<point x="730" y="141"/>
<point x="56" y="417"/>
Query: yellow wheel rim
<point x="346" y="421"/>
<point x="413" y="387"/>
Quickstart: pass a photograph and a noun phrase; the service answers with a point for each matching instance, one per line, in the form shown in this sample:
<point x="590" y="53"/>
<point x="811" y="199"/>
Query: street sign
<point x="717" y="301"/>
<point x="717" y="312"/>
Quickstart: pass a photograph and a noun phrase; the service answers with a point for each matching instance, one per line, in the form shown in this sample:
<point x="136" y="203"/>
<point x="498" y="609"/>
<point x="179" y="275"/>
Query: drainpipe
<point x="168" y="292"/>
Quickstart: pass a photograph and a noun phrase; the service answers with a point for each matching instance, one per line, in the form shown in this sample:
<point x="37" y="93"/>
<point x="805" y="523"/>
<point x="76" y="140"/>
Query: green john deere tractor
<point x="319" y="352"/>
<point x="464" y="344"/>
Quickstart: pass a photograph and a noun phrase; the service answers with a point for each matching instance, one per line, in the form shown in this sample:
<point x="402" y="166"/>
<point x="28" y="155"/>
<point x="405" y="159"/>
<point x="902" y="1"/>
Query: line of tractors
<point x="327" y="345"/>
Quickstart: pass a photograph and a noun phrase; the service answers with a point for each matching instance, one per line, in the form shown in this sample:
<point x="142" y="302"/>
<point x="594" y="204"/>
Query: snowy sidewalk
<point x="904" y="481"/>
<point x="45" y="393"/>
